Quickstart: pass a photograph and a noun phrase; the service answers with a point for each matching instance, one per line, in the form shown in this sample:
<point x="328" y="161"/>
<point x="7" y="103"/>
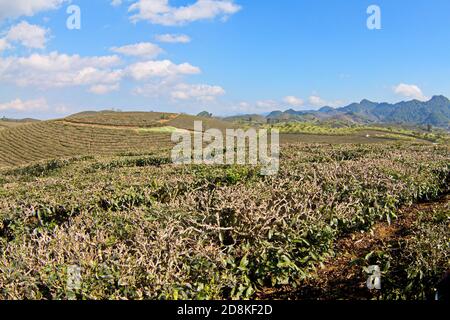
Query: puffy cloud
<point x="410" y="91"/>
<point x="163" y="68"/>
<point x="59" y="70"/>
<point x="28" y="35"/>
<point x="200" y="92"/>
<point x="267" y="105"/>
<point x="180" y="91"/>
<point x="101" y="74"/>
<point x="62" y="109"/>
<point x="103" y="88"/>
<point x="3" y="45"/>
<point x="293" y="101"/>
<point x="242" y="107"/>
<point x="173" y="38"/>
<point x="316" y="101"/>
<point x="143" y="49"/>
<point x="24" y="106"/>
<point x="161" y="12"/>
<point x="10" y="9"/>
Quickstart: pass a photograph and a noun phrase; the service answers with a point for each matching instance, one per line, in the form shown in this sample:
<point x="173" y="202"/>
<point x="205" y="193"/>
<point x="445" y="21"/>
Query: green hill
<point x="100" y="133"/>
<point x="435" y="112"/>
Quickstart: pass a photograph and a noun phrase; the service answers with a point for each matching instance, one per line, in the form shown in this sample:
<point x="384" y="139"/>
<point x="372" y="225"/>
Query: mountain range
<point x="435" y="112"/>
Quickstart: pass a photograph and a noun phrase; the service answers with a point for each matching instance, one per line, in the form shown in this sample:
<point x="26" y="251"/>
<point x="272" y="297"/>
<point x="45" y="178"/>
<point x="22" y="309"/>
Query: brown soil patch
<point x="341" y="277"/>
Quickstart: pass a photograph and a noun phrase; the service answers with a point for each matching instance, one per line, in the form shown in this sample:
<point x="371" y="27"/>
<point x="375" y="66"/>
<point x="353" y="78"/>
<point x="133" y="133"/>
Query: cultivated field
<point x="56" y="139"/>
<point x="112" y="203"/>
<point x="8" y="123"/>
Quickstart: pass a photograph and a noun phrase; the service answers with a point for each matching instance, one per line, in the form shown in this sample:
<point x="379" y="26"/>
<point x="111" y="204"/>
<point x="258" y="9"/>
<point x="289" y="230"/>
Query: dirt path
<point x="340" y="278"/>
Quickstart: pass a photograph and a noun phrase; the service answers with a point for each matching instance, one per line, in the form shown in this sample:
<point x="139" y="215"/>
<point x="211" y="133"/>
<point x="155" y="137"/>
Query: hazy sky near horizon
<point x="225" y="56"/>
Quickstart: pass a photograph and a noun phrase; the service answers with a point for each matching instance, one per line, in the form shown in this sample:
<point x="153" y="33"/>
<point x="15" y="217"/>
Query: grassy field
<point x="146" y="120"/>
<point x="94" y="133"/>
<point x="376" y="132"/>
<point x="115" y="133"/>
<point x="109" y="201"/>
<point x="56" y="139"/>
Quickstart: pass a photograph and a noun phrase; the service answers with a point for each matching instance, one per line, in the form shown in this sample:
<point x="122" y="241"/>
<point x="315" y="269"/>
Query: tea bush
<point x="142" y="228"/>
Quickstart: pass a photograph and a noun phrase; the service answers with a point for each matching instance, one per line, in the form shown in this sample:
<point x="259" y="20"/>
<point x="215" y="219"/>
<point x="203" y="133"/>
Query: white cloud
<point x="163" y="68"/>
<point x="143" y="49"/>
<point x="243" y="107"/>
<point x="201" y="92"/>
<point x="116" y="3"/>
<point x="24" y="106"/>
<point x="3" y="45"/>
<point x="10" y="9"/>
<point x="410" y="91"/>
<point x="316" y="101"/>
<point x="28" y="35"/>
<point x="161" y="12"/>
<point x="62" y="109"/>
<point x="173" y="38"/>
<point x="266" y="104"/>
<point x="255" y="107"/>
<point x="293" y="101"/>
<point x="104" y="88"/>
<point x="170" y="88"/>
<point x="102" y="74"/>
<point x="156" y="88"/>
<point x="59" y="70"/>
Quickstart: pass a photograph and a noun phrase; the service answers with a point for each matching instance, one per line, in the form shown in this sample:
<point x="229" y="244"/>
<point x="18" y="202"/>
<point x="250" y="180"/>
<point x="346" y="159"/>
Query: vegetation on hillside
<point x="435" y="112"/>
<point x="55" y="139"/>
<point x="391" y="132"/>
<point x="142" y="228"/>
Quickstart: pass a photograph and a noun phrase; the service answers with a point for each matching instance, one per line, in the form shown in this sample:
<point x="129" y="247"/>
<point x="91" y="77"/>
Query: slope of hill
<point x="100" y="133"/>
<point x="53" y="139"/>
<point x="435" y="112"/>
<point x="247" y="118"/>
<point x="145" y="120"/>
<point x="11" y="123"/>
<point x="139" y="228"/>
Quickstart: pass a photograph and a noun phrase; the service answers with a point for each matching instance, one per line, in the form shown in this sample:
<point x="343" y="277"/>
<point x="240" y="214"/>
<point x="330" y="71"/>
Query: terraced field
<point x="102" y="133"/>
<point x="55" y="139"/>
<point x="113" y="133"/>
<point x="4" y="124"/>
<point x="122" y="119"/>
<point x="146" y="120"/>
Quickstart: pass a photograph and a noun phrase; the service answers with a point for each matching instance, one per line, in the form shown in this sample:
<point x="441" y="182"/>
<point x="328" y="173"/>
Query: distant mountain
<point x="4" y="119"/>
<point x="205" y="114"/>
<point x="435" y="112"/>
<point x="252" y="118"/>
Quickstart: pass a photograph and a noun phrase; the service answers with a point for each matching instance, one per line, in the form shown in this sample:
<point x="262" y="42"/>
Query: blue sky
<point x="241" y="56"/>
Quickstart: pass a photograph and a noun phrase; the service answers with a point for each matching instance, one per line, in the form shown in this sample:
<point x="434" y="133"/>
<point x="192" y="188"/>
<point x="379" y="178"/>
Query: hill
<point x="100" y="133"/>
<point x="10" y="123"/>
<point x="435" y="112"/>
<point x="145" y="120"/>
<point x="247" y="118"/>
<point x="115" y="133"/>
